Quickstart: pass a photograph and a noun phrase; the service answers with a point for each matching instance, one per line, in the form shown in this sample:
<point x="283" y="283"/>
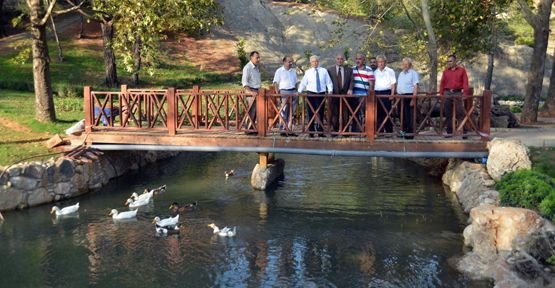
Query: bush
<point x="528" y="189"/>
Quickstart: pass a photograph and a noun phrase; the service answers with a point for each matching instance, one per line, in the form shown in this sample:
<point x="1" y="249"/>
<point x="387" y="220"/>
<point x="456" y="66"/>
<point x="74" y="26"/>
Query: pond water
<point x="332" y="222"/>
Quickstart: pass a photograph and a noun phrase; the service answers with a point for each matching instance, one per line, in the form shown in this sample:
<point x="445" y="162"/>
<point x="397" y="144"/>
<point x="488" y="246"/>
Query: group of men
<point x="358" y="81"/>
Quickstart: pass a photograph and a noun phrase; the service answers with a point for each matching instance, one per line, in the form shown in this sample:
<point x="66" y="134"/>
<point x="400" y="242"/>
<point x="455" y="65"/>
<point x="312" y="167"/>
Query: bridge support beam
<point x="267" y="171"/>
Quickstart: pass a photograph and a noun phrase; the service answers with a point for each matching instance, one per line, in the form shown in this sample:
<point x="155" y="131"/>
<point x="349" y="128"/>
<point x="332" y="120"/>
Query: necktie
<point x="339" y="79"/>
<point x="318" y="87"/>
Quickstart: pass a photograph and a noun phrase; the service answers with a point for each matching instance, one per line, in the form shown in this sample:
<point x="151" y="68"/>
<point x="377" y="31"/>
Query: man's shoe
<point x="293" y="135"/>
<point x="251" y="133"/>
<point x="310" y="135"/>
<point x="408" y="137"/>
<point x="283" y="134"/>
<point x="321" y="135"/>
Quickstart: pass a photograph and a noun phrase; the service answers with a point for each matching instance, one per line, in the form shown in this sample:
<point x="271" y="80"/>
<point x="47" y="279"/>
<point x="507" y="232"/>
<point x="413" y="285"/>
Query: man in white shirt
<point x="407" y="84"/>
<point x="251" y="82"/>
<point x="385" y="85"/>
<point x="285" y="82"/>
<point x="316" y="81"/>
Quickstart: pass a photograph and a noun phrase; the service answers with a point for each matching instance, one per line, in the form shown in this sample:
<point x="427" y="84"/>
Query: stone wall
<point x="35" y="183"/>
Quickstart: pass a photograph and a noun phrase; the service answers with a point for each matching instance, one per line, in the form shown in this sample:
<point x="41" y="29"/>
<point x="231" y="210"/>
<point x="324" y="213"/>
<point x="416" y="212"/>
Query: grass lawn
<point x="21" y="136"/>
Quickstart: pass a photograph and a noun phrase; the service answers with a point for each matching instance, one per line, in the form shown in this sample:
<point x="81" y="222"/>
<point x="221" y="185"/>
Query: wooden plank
<point x="89" y="113"/>
<point x="263" y="159"/>
<point x="172" y="111"/>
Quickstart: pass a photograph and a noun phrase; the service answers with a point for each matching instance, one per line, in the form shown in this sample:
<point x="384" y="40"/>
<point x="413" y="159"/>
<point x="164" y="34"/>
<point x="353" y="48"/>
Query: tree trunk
<point x="548" y="109"/>
<point x="540" y="24"/>
<point x="2" y="31"/>
<point x="81" y="29"/>
<point x="489" y="73"/>
<point x="44" y="101"/>
<point x="137" y="56"/>
<point x="110" y="72"/>
<point x="432" y="45"/>
<point x="535" y="75"/>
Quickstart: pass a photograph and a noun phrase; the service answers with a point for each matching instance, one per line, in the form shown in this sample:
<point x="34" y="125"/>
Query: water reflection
<point x="332" y="222"/>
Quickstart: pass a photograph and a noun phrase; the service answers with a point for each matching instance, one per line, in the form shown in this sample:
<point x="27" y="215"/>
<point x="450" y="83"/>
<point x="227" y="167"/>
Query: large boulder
<point x="492" y="235"/>
<point x="471" y="183"/>
<point x="262" y="177"/>
<point x="505" y="156"/>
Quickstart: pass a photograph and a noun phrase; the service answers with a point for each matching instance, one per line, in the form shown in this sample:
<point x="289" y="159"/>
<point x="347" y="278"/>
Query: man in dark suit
<point x="342" y="79"/>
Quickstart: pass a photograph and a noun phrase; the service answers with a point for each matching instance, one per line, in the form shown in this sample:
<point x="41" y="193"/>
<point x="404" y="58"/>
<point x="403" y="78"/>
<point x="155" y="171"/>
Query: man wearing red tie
<point x="454" y="82"/>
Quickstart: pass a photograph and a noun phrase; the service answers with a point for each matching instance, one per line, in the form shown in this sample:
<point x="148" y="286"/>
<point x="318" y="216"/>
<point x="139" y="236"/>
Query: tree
<point x="540" y="23"/>
<point x="39" y="15"/>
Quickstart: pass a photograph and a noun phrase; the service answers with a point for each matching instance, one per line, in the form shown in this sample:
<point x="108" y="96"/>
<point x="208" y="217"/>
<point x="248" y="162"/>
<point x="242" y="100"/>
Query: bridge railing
<point x="175" y="110"/>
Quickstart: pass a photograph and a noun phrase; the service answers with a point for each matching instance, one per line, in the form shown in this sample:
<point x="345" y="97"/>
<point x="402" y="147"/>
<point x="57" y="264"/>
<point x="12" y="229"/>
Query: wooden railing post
<point x="485" y="114"/>
<point x="371" y="116"/>
<point x="89" y="112"/>
<point x="261" y="112"/>
<point x="172" y="111"/>
<point x="196" y="106"/>
<point x="125" y="95"/>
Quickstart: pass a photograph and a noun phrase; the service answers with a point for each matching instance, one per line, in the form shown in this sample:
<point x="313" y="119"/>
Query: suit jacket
<point x="347" y="82"/>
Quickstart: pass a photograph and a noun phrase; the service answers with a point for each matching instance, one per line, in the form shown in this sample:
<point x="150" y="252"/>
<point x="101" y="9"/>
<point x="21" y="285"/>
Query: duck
<point x="229" y="173"/>
<point x="146" y="195"/>
<point x="167" y="222"/>
<point x="168" y="230"/>
<point x="123" y="215"/>
<point x="159" y="190"/>
<point x="137" y="203"/>
<point x="224" y="232"/>
<point x="66" y="210"/>
<point x="176" y="208"/>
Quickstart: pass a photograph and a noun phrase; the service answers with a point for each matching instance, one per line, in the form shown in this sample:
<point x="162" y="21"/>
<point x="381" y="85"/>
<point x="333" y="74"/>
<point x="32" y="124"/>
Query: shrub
<point x="528" y="189"/>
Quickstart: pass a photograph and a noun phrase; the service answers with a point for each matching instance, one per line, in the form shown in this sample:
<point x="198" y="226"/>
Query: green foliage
<point x="543" y="160"/>
<point x="551" y="260"/>
<point x="528" y="189"/>
<point x="241" y="53"/>
<point x="516" y="109"/>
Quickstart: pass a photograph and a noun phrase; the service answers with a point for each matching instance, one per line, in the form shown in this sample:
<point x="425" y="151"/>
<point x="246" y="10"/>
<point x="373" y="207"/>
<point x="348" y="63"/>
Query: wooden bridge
<point x="217" y="120"/>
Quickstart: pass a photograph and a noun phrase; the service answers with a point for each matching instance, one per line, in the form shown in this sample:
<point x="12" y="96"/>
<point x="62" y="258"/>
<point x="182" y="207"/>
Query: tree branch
<point x="530" y="17"/>
<point x="418" y="30"/>
<point x="47" y="14"/>
<point x="56" y="13"/>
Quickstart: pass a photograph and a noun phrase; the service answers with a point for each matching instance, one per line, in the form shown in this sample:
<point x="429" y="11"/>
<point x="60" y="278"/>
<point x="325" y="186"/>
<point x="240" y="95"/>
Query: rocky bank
<point x="509" y="245"/>
<point x="31" y="184"/>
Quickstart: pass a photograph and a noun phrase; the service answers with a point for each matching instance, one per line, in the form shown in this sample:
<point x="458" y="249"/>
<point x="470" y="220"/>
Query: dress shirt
<point x="286" y="79"/>
<point x="251" y="76"/>
<point x="454" y="79"/>
<point x="384" y="79"/>
<point x="309" y="81"/>
<point x="406" y="81"/>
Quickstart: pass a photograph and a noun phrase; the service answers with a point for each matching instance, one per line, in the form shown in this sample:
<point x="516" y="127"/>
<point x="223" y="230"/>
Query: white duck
<point x="137" y="203"/>
<point x="1" y="217"/>
<point x="123" y="215"/>
<point x="225" y="232"/>
<point x="167" y="230"/>
<point x="145" y="196"/>
<point x="167" y="222"/>
<point x="66" y="210"/>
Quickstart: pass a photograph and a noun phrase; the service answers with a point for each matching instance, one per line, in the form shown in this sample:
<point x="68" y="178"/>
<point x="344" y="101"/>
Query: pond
<point x="331" y="222"/>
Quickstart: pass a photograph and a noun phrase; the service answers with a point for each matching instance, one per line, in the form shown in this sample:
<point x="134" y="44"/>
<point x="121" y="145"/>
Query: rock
<point x="489" y="197"/>
<point x="470" y="182"/>
<point x="65" y="169"/>
<point x="34" y="170"/>
<point x="262" y="177"/>
<point x="15" y="170"/>
<point x="24" y="183"/>
<point x="62" y="188"/>
<point x="500" y="121"/>
<point x="505" y="156"/>
<point x="39" y="196"/>
<point x="10" y="198"/>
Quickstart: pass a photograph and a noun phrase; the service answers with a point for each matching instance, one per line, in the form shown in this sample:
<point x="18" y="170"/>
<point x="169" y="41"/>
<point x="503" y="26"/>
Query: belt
<point x="310" y="92"/>
<point x="290" y="89"/>
<point x="255" y="89"/>
<point x="453" y="90"/>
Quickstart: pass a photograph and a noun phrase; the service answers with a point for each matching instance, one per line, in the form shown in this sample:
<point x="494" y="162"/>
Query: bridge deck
<point x="422" y="146"/>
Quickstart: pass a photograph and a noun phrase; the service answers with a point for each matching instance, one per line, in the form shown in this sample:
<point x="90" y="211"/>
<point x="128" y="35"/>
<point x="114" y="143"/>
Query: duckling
<point x="229" y="173"/>
<point x="224" y="232"/>
<point x="176" y="208"/>
<point x="65" y="211"/>
<point x="168" y="230"/>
